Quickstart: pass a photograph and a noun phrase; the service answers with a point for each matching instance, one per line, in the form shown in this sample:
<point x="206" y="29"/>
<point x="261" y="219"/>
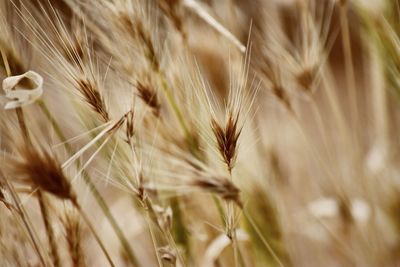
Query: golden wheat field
<point x="209" y="133"/>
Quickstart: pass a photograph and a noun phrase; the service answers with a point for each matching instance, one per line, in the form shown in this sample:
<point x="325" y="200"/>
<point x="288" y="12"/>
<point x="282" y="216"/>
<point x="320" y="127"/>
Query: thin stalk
<point x="174" y="105"/>
<point x="96" y="194"/>
<point x="171" y="240"/>
<point x="231" y="231"/>
<point x="6" y="65"/>
<point x="146" y="205"/>
<point x="178" y="114"/>
<point x="42" y="204"/>
<point x="49" y="229"/>
<point x="168" y="235"/>
<point x="179" y="228"/>
<point x="322" y="129"/>
<point x="237" y="252"/>
<point x="349" y="65"/>
<point x="380" y="102"/>
<point x="232" y="227"/>
<point x="235" y="248"/>
<point x="22" y="125"/>
<point x="264" y="241"/>
<point x="313" y="151"/>
<point x="241" y="259"/>
<point x="336" y="108"/>
<point x="219" y="209"/>
<point x="27" y="222"/>
<point x="153" y="239"/>
<point x="93" y="230"/>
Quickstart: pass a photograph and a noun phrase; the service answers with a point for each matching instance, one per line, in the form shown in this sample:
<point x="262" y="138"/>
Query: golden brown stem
<point x="49" y="229"/>
<point x="93" y="230"/>
<point x="26" y="221"/>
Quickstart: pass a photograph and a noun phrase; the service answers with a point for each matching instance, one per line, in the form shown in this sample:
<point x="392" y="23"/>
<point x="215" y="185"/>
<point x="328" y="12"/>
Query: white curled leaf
<point x="22" y="89"/>
<point x="218" y="245"/>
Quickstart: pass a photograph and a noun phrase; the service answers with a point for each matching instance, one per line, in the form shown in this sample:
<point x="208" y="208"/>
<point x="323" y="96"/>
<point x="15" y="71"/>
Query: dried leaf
<point x="22" y="89"/>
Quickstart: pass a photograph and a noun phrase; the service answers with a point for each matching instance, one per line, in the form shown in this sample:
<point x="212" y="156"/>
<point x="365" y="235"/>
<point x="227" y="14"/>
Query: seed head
<point x="40" y="169"/>
<point x="148" y="95"/>
<point x="171" y="10"/>
<point x="73" y="235"/>
<point x="130" y="130"/>
<point x="227" y="138"/>
<point x="306" y="78"/>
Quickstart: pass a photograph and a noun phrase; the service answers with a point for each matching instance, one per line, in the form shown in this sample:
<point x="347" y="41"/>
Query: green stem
<point x="220" y="210"/>
<point x="174" y="105"/>
<point x="171" y="100"/>
<point x="263" y="239"/>
<point x="179" y="228"/>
